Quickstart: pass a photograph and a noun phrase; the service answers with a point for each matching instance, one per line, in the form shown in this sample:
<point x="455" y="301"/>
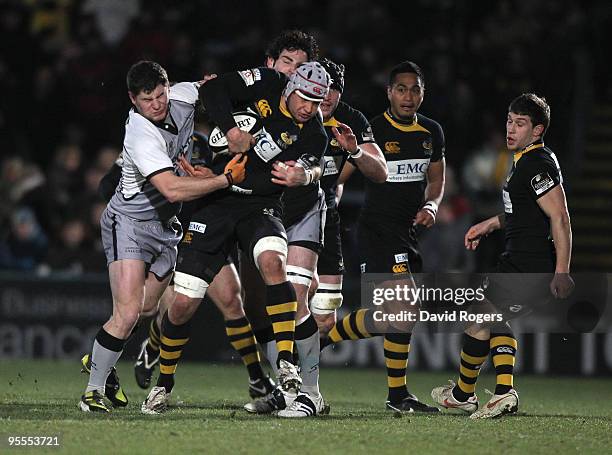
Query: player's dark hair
<point x="406" y="67"/>
<point x="533" y="106"/>
<point x="144" y="76"/>
<point x="336" y="71"/>
<point x="293" y="40"/>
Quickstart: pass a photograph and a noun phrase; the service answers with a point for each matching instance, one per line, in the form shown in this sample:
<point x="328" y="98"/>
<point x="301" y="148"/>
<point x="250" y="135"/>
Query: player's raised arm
<point x="219" y="95"/>
<point x="367" y="157"/>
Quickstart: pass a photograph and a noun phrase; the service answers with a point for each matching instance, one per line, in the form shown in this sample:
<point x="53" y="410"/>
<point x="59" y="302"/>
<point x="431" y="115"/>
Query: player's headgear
<point x="310" y="80"/>
<point x="336" y="71"/>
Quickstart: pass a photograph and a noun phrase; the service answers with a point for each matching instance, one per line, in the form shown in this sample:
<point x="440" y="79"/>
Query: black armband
<point x="109" y="182"/>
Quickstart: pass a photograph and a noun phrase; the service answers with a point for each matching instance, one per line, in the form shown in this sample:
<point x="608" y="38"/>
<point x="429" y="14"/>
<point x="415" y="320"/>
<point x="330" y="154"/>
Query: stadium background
<point x="63" y="105"/>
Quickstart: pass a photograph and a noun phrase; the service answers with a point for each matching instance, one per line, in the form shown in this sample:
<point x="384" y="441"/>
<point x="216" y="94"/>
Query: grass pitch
<point x="557" y="415"/>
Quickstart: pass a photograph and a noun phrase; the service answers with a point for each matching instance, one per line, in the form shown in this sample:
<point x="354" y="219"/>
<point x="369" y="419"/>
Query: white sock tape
<point x="190" y="285"/>
<point x="299" y="275"/>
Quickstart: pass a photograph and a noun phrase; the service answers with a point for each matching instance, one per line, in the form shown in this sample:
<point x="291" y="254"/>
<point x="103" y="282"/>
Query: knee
<point x="325" y="322"/>
<point x="270" y="256"/>
<point x="182" y="309"/>
<point x="150" y="308"/>
<point x="325" y="304"/>
<point x="272" y="267"/>
<point x="314" y="285"/>
<point x="126" y="318"/>
<point x="148" y="313"/>
<point x="230" y="305"/>
<point x="302" y="310"/>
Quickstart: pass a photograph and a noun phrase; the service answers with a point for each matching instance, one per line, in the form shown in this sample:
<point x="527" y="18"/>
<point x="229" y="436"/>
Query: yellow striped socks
<point x="154" y="340"/>
<point x="352" y="327"/>
<point x="473" y="355"/>
<point x="173" y="340"/>
<point x="396" y="348"/>
<point x="243" y="341"/>
<point x="281" y="307"/>
<point x="503" y="351"/>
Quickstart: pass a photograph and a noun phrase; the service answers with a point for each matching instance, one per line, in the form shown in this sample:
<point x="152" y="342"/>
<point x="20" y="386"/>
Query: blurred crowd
<point x="63" y="65"/>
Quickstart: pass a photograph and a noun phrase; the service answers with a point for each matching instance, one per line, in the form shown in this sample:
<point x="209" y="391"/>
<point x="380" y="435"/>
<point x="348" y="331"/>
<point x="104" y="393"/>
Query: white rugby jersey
<point x="149" y="149"/>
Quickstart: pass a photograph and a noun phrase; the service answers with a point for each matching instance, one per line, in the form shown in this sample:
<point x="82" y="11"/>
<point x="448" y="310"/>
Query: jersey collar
<point x="331" y="122"/>
<point x="282" y="106"/>
<point x="403" y="125"/>
<point x="536" y="145"/>
<point x="168" y="123"/>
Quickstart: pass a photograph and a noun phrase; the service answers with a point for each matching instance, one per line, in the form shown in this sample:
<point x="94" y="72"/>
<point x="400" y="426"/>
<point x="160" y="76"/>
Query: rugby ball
<point x="248" y="121"/>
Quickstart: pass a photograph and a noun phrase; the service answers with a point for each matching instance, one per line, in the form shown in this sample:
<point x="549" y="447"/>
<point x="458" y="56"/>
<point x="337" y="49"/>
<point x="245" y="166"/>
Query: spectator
<point x="25" y="245"/>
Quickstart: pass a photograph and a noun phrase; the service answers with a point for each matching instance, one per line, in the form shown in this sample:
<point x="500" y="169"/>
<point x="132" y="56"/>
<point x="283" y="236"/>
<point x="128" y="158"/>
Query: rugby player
<point x="350" y="138"/>
<point x="140" y="231"/>
<point x="303" y="214"/>
<point x="303" y="218"/>
<point x="538" y="240"/>
<point x="413" y="147"/>
<point x="247" y="214"/>
<point x="284" y="53"/>
<point x="237" y="326"/>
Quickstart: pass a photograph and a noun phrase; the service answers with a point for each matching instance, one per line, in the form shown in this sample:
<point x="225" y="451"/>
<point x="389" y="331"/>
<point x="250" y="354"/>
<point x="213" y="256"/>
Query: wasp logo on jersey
<point x="288" y="138"/>
<point x="392" y="147"/>
<point x="400" y="268"/>
<point x="264" y="108"/>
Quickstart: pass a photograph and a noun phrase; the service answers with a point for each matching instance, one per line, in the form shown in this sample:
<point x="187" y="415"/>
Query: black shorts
<point x="330" y="260"/>
<point x="520" y="283"/>
<point x="387" y="248"/>
<point x="216" y="229"/>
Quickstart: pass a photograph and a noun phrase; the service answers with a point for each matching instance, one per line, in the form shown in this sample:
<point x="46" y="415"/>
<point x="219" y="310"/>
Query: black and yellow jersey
<point x="280" y="139"/>
<point x="534" y="173"/>
<point x="297" y="201"/>
<point x="408" y="149"/>
<point x="335" y="157"/>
